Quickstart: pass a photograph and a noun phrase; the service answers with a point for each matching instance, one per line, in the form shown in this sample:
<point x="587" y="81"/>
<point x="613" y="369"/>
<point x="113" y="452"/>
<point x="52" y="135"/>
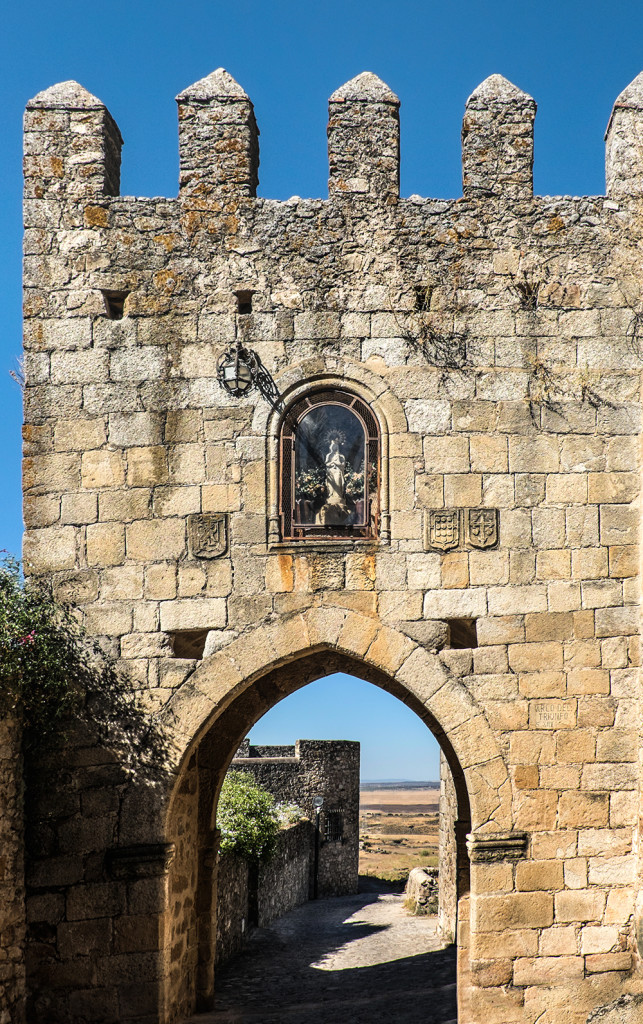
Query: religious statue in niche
<point x="331" y="462"/>
<point x="329" y="452"/>
<point x="335" y="510"/>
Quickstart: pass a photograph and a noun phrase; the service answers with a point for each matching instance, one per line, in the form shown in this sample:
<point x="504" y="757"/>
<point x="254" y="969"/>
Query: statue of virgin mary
<point x="335" y="475"/>
<point x="335" y="510"/>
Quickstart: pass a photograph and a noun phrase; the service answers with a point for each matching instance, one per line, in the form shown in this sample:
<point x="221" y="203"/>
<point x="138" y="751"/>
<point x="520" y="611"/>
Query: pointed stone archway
<point x="231" y="689"/>
<point x="379" y="653"/>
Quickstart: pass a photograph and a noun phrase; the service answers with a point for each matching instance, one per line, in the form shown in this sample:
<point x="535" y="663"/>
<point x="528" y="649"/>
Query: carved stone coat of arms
<point x="443" y="529"/>
<point x="208" y="535"/>
<point x="482" y="527"/>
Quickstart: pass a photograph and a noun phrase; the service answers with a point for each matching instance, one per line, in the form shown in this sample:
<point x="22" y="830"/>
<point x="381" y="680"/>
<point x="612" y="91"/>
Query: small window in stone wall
<point x="188" y="643"/>
<point x="114" y="303"/>
<point x="334" y="826"/>
<point x="330" y="468"/>
<point x="463" y="633"/>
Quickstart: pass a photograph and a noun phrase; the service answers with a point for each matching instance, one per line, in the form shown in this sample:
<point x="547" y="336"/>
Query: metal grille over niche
<point x="330" y="469"/>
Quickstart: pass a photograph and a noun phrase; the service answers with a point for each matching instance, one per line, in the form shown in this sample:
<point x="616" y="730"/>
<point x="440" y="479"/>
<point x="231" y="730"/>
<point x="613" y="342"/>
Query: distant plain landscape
<point x="369" y="784"/>
<point x="398" y="826"/>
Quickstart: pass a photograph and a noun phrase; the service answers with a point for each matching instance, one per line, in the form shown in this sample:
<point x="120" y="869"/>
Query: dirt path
<point x="359" y="959"/>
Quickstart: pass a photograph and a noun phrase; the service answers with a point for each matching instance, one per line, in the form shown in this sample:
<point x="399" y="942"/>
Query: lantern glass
<point x="244" y="376"/>
<point x="237" y="373"/>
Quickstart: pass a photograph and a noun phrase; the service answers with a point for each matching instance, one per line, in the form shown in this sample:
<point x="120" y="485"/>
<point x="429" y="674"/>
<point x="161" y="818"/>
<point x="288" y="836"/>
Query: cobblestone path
<point x="356" y="959"/>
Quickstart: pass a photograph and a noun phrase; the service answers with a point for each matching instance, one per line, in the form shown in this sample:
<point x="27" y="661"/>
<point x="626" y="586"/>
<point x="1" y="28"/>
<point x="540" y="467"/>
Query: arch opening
<point x="190" y="927"/>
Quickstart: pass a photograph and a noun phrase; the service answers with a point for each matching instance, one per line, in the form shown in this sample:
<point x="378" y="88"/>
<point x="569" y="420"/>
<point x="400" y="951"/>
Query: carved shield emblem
<point x="208" y="535"/>
<point x="482" y="527"/>
<point x="443" y="529"/>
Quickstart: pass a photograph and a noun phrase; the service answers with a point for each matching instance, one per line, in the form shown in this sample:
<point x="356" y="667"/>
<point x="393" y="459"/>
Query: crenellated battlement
<point x="72" y="144"/>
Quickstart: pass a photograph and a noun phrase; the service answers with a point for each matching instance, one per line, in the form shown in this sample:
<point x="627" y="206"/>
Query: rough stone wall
<point x="447" y="856"/>
<point x="421" y="891"/>
<point x="497" y="340"/>
<point x="12" y="880"/>
<point x="180" y="940"/>
<point x="283" y="881"/>
<point x="326" y="768"/>
<point x="233" y="888"/>
<point x="276" y="887"/>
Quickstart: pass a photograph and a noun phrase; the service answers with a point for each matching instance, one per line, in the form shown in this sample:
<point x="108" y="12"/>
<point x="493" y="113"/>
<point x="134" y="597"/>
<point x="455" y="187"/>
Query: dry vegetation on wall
<point x="437" y="331"/>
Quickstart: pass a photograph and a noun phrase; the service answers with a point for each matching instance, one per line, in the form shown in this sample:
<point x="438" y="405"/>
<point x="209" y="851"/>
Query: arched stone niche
<point x="315" y="375"/>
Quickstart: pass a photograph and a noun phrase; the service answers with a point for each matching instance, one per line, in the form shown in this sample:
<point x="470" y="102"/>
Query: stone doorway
<point x="141" y="908"/>
<point x="190" y="921"/>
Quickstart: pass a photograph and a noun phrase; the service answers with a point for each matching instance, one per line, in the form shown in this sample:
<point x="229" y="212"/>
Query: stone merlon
<point x="497" y="89"/>
<point x="219" y="147"/>
<point x="219" y="85"/>
<point x="65" y="96"/>
<point x="365" y="87"/>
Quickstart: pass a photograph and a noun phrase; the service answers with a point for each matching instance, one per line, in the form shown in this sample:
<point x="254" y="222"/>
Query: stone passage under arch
<point x="190" y="979"/>
<point x="320" y="643"/>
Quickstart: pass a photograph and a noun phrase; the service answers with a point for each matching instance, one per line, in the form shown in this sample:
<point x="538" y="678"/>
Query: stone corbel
<point x="145" y="860"/>
<point x="490" y="847"/>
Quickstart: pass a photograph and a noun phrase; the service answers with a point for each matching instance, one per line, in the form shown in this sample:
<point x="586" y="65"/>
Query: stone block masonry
<point x="12" y="881"/>
<point x="317" y="768"/>
<point x="476" y="363"/>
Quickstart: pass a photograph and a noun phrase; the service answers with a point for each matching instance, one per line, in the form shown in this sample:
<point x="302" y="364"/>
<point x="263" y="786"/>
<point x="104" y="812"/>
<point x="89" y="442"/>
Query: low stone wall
<point x="12" y="892"/>
<point x="422" y="888"/>
<point x="284" y="881"/>
<point x="233" y="895"/>
<point x="247" y="898"/>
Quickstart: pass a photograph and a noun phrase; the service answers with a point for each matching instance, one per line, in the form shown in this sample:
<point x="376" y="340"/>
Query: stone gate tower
<point x="400" y="437"/>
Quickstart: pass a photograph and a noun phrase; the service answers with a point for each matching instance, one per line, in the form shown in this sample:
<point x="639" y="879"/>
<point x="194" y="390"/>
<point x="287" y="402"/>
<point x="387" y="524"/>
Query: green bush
<point x="42" y="676"/>
<point x="247" y="817"/>
<point x="53" y="677"/>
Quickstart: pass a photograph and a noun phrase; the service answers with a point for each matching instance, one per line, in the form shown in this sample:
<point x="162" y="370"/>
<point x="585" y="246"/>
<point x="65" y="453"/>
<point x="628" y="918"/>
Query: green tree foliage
<point x="247" y="816"/>
<point x="54" y="678"/>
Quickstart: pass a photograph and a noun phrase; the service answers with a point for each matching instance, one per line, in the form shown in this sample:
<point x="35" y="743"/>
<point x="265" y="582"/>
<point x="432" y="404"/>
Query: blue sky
<point x="395" y="743"/>
<point x="573" y="57"/>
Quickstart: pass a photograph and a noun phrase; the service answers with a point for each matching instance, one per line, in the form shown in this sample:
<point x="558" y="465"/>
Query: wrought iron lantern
<point x="237" y="370"/>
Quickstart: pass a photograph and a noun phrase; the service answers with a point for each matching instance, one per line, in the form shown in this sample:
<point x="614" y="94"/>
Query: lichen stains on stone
<point x="96" y="217"/>
<point x="166" y="281"/>
<point x="167" y="241"/>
